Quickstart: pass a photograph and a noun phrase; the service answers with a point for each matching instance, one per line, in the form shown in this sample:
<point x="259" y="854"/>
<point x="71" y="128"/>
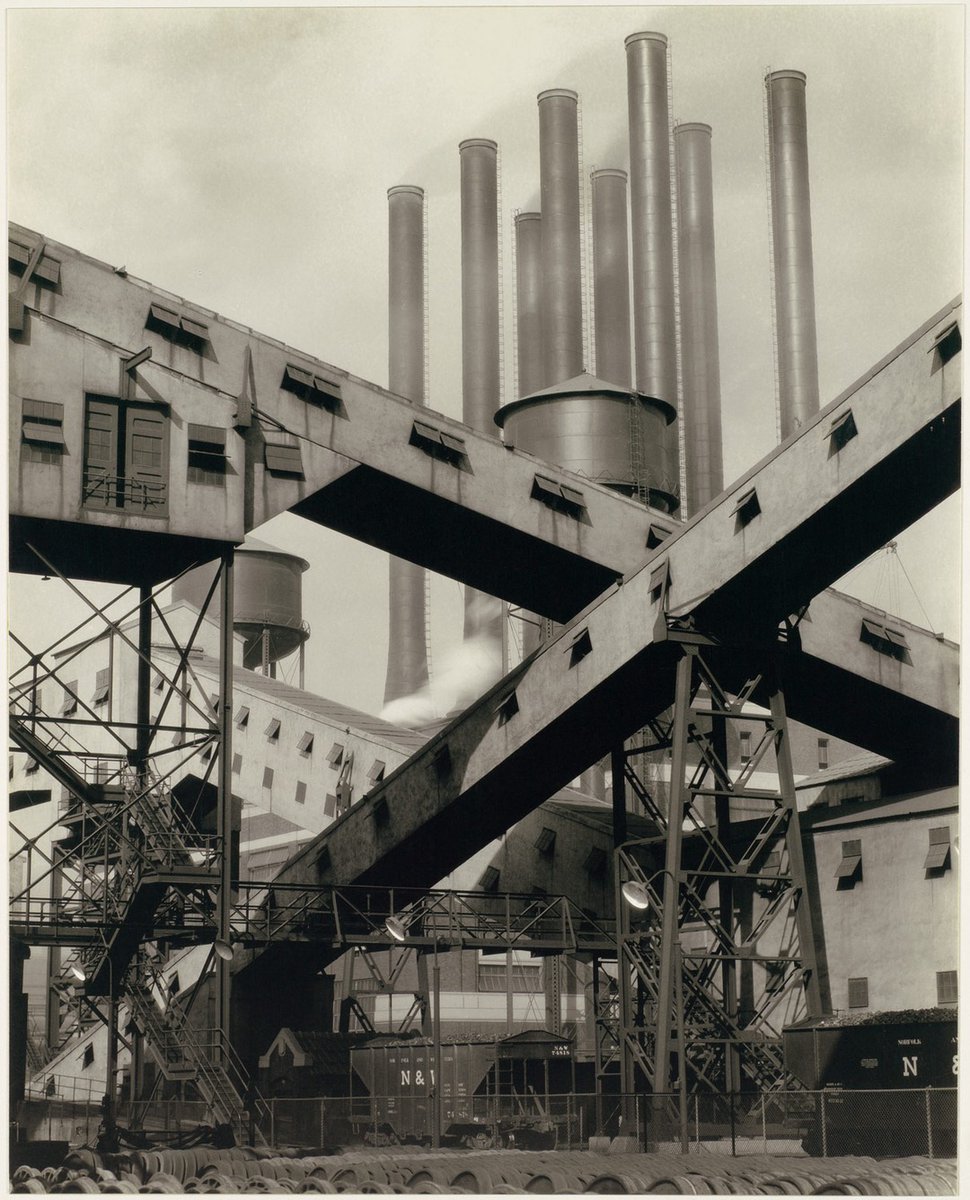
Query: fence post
<point x="764" y="1122"/>
<point x="825" y="1137"/>
<point x="929" y="1125"/>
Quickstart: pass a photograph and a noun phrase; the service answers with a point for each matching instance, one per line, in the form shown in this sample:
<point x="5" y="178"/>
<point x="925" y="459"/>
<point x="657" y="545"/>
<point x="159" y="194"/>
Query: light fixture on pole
<point x="397" y="928"/>
<point x="636" y="894"/>
<point x="77" y="972"/>
<point x="223" y="949"/>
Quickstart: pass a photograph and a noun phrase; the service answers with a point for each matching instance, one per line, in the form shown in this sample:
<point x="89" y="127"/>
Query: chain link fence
<point x="825" y="1124"/>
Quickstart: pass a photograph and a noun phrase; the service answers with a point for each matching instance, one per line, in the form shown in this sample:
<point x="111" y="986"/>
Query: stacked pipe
<point x="528" y="307"/>
<point x="407" y="653"/>
<point x="611" y="277"/>
<point x="480" y="331"/>
<point x="654" y="318"/>
<point x="698" y="316"/>
<point x="791" y="235"/>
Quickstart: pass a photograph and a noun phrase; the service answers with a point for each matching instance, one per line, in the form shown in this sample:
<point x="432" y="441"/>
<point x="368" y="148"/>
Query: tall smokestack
<point x="611" y="277"/>
<point x="480" y="328"/>
<point x="654" y="317"/>
<point x="791" y="235"/>
<point x="698" y="315"/>
<point x="407" y="652"/>
<point x="562" y="282"/>
<point x="530" y="374"/>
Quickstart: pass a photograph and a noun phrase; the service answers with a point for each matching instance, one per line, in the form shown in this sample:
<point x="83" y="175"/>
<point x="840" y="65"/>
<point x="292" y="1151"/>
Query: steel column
<point x="224" y="797"/>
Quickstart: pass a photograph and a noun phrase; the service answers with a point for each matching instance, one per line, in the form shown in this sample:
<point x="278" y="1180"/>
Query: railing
<point x="357" y="915"/>
<point x="118" y="491"/>
<point x="810" y="1124"/>
<point x="65" y="1087"/>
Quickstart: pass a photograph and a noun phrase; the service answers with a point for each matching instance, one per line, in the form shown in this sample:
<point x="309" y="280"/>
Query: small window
<point x="745" y="739"/>
<point x="948" y="343"/>
<point x="946" y="987"/>
<point x="842" y="430"/>
<point x="87" y="1058"/>
<point x="207" y="455"/>
<point x="859" y="993"/>
<point x="242" y="718"/>
<point x="345" y="794"/>
<point x="655" y="535"/>
<point x="441" y="761"/>
<point x="184" y="331"/>
<point x="595" y="862"/>
<point x="336" y="755"/>
<point x="849" y="870"/>
<point x="376" y="773"/>
<point x="42" y="431"/>
<point x="158" y="683"/>
<point x="330" y="805"/>
<point x="273" y="731"/>
<point x="31" y="765"/>
<point x="47" y="271"/>
<point x="267" y="777"/>
<point x="380" y="812"/>
<point x="747" y="507"/>
<point x="438" y="443"/>
<point x="546" y="841"/>
<point x="311" y="386"/>
<point x="282" y="455"/>
<point x="823" y="753"/>
<point x="69" y="703"/>
<point x="300" y="796"/>
<point x="887" y="641"/>
<point x="236" y="764"/>
<point x="559" y="496"/>
<point x="938" y="855"/>
<point x="579" y="647"/>
<point x="305" y="744"/>
<point x="209" y="752"/>
<point x="102" y="686"/>
<point x="489" y="879"/>
<point x="174" y="984"/>
<point x="659" y="580"/>
<point x="507" y="708"/>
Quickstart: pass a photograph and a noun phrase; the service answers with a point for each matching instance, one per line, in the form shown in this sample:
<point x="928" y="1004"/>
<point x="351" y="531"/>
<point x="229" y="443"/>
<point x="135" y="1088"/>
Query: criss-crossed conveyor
<point x="872" y="462"/>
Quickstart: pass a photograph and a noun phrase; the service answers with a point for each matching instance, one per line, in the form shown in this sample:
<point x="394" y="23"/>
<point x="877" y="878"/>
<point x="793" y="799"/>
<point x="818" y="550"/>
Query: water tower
<point x="267" y="603"/>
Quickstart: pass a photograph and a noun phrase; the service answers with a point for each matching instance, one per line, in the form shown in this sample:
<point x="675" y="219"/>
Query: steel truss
<point x="722" y="916"/>
<point x="122" y="860"/>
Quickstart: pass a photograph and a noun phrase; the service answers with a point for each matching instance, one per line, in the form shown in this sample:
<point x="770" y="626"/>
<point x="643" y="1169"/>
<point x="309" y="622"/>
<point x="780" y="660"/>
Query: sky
<point x="240" y="157"/>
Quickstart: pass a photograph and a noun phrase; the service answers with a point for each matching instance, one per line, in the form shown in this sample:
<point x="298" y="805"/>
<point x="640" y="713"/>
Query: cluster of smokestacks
<point x="572" y="405"/>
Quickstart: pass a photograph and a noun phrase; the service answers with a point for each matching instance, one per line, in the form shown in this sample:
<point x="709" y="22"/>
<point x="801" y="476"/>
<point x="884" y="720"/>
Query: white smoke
<point x="465" y="673"/>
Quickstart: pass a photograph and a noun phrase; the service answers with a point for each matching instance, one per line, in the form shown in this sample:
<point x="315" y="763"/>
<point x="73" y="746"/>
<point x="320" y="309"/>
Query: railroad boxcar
<point x="492" y="1092"/>
<point x="877" y="1073"/>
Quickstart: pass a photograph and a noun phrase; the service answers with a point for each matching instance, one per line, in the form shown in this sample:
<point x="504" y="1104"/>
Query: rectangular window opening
<point x="507" y="708"/>
<point x="859" y="992"/>
<point x="236" y="764"/>
<point x="938" y="855"/>
<point x="102" y="686"/>
<point x="376" y="773"/>
<point x="207" y="462"/>
<point x="178" y="328"/>
<point x="546" y="841"/>
<point x="267" y="777"/>
<point x="595" y="862"/>
<point x="282" y="455"/>
<point x="125" y="456"/>
<point x="242" y="718"/>
<point x="305" y="744"/>
<point x="580" y="647"/>
<point x="313" y="387"/>
<point x="273" y="731"/>
<point x="300" y="796"/>
<point x="849" y="870"/>
<point x="774" y="976"/>
<point x="948" y="343"/>
<point x="69" y="703"/>
<point x="745" y="739"/>
<point x="747" y="507"/>
<point x="490" y="879"/>
<point x="659" y="580"/>
<point x="47" y="271"/>
<point x="823" y="753"/>
<point x="946" y="987"/>
<point x="559" y="496"/>
<point x="886" y="641"/>
<point x="842" y="430"/>
<point x="438" y="443"/>
<point x="42" y="431"/>
<point x="380" y="812"/>
<point x="655" y="535"/>
<point x="336" y="755"/>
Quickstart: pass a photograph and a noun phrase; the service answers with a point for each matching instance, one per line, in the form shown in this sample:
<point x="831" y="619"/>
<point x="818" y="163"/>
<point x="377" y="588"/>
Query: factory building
<point x="236" y="829"/>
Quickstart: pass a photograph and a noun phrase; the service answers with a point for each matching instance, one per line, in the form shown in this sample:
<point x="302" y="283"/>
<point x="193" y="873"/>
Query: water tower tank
<point x="268" y="600"/>
<point x="612" y="435"/>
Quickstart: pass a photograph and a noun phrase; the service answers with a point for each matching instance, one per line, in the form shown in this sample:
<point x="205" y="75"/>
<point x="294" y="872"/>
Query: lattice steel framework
<point x="724" y="910"/>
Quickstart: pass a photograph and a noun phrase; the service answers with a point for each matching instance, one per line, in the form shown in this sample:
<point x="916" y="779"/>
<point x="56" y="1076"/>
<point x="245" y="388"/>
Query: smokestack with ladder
<point x="407" y="652"/>
<point x="791" y="238"/>
<point x="480" y="331"/>
<point x="654" y="316"/>
<point x="611" y="277"/>
<point x="528" y="303"/>
<point x="698" y="316"/>
<point x="562" y="281"/>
